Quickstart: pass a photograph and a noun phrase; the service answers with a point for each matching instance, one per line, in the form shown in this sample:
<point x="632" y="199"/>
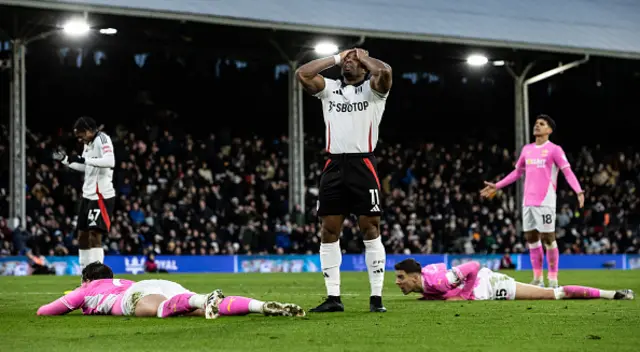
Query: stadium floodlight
<point x="477" y="60"/>
<point x="108" y="31"/>
<point x="498" y="63"/>
<point x="76" y="27"/>
<point x="326" y="48"/>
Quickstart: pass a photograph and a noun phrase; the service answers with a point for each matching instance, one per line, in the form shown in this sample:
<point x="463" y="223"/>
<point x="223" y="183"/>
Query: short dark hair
<point x="84" y="124"/>
<point x="409" y="266"/>
<point x="548" y="119"/>
<point x="96" y="271"/>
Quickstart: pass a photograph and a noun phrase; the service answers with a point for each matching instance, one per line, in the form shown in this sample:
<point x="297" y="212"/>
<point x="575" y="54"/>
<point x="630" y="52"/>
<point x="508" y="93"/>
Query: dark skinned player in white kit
<point x="352" y="108"/>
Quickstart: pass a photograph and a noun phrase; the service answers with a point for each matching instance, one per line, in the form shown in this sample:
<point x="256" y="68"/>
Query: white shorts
<point x="149" y="287"/>
<point x="494" y="286"/>
<point x="542" y="219"/>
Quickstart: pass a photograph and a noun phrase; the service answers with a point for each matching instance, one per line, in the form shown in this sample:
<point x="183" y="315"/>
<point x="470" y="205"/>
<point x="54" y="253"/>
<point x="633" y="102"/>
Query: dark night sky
<point x="185" y="71"/>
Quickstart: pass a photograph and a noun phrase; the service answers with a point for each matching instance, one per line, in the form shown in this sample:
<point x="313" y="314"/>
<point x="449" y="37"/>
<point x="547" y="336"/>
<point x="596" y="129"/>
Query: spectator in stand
<point x="228" y="196"/>
<point x="506" y="262"/>
<point x="150" y="265"/>
<point x="39" y="264"/>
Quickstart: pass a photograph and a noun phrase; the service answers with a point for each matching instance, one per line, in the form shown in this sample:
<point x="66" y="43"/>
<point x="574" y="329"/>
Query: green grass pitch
<point x="595" y="325"/>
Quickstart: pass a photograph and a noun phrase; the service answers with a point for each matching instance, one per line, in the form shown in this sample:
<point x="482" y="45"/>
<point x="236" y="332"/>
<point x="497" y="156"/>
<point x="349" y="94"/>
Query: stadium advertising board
<point x="581" y="261"/>
<point x="632" y="261"/>
<point x="278" y="264"/>
<point x="491" y="261"/>
<point x="20" y="266"/>
<point x="172" y="264"/>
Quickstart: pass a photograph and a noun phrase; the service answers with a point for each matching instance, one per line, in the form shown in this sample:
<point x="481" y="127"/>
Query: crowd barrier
<point x="19" y="266"/>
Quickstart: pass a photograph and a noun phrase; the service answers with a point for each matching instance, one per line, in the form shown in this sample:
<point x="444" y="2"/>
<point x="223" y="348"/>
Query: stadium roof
<point x="598" y="27"/>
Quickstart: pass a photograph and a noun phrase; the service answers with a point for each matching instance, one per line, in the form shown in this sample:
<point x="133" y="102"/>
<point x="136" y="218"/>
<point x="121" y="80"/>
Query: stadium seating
<point x="177" y="195"/>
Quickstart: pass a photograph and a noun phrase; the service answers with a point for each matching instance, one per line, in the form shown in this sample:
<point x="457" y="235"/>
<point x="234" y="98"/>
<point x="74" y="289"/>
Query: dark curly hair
<point x="96" y="271"/>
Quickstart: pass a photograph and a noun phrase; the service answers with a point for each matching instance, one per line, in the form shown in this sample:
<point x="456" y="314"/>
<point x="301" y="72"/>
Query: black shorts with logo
<point x="349" y="185"/>
<point x="95" y="214"/>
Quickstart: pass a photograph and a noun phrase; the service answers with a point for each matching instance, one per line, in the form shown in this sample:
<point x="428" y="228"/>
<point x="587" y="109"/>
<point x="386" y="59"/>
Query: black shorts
<point x="349" y="185"/>
<point x="95" y="214"/>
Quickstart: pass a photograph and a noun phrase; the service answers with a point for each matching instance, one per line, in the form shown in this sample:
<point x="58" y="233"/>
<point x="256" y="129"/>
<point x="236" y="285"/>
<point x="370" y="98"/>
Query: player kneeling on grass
<point x="470" y="282"/>
<point x="101" y="294"/>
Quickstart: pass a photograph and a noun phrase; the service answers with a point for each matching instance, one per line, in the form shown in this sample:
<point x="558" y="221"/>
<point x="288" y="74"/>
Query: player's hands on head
<point x="489" y="190"/>
<point x="59" y="155"/>
<point x="360" y="53"/>
<point x="344" y="54"/>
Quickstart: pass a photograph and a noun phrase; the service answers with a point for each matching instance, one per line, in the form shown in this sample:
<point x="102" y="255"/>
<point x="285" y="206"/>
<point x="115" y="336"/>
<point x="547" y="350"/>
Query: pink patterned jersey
<point x="541" y="164"/>
<point x="434" y="284"/>
<point x="97" y="297"/>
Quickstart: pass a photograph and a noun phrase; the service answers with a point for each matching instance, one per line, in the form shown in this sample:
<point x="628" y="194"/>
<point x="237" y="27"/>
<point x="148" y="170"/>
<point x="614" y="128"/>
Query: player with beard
<point x="352" y="108"/>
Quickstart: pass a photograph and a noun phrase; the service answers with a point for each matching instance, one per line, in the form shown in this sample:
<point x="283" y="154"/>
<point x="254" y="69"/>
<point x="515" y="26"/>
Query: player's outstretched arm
<point x="54" y="308"/>
<point x="512" y="177"/>
<point x="60" y="306"/>
<point x="381" y="76"/>
<point x="491" y="188"/>
<point x="64" y="304"/>
<point x="560" y="159"/>
<point x="309" y="73"/>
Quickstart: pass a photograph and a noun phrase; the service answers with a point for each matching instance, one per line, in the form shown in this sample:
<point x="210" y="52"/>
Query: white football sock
<point x="84" y="257"/>
<point x="330" y="261"/>
<point x="198" y="301"/>
<point x="96" y="255"/>
<point x="160" y="309"/>
<point x="375" y="257"/>
<point x="607" y="294"/>
<point x="256" y="306"/>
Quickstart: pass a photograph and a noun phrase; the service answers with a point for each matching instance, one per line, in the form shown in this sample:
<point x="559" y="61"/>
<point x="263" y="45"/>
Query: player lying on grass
<point x="101" y="294"/>
<point x="470" y="282"/>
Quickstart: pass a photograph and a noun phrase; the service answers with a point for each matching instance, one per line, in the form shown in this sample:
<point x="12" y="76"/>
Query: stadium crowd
<point x="224" y="195"/>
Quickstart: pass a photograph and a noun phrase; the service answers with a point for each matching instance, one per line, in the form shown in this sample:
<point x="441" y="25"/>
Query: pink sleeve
<point x="572" y="180"/>
<point x="439" y="267"/>
<point x="511" y="178"/>
<point x="515" y="174"/>
<point x="520" y="164"/>
<point x="64" y="304"/>
<point x="54" y="308"/>
<point x="560" y="158"/>
<point x="468" y="272"/>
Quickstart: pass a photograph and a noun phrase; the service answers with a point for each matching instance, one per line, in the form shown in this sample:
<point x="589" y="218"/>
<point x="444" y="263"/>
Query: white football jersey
<point x="98" y="168"/>
<point x="352" y="114"/>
